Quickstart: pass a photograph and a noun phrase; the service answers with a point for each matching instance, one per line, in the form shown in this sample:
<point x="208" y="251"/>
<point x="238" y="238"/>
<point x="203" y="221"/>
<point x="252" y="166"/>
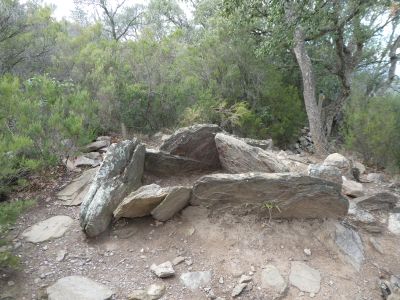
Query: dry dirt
<point x="229" y="245"/>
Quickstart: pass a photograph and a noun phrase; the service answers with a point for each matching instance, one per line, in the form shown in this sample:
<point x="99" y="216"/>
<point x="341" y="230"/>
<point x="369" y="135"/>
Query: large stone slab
<point x="177" y="199"/>
<point x="349" y="242"/>
<point x="379" y="201"/>
<point x="164" y="164"/>
<point x="289" y="195"/>
<point x="78" y="287"/>
<point x="141" y="202"/>
<point x="74" y="192"/>
<point x="238" y="157"/>
<point x="119" y="174"/>
<point x="196" y="142"/>
<point x="304" y="277"/>
<point x="51" y="228"/>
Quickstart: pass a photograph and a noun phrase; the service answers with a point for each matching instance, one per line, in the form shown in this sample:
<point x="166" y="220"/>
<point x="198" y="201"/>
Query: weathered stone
<point x="193" y="280"/>
<point x="263" y="144"/>
<point x="153" y="292"/>
<point x="119" y="174"/>
<point x="177" y="260"/>
<point x="330" y="173"/>
<point x="245" y="279"/>
<point x="74" y="163"/>
<point x="163" y="270"/>
<point x="78" y="287"/>
<point x="141" y="202"/>
<point x="74" y="192"/>
<point x="238" y="289"/>
<point x="349" y="242"/>
<point x="174" y="202"/>
<point x="295" y="195"/>
<point x="379" y="201"/>
<point x="196" y="142"/>
<point x="61" y="254"/>
<point x="376" y="245"/>
<point x="394" y="223"/>
<point x="238" y="157"/>
<point x="361" y="168"/>
<point x="51" y="228"/>
<point x="272" y="279"/>
<point x="162" y="164"/>
<point x="305" y="278"/>
<point x="363" y="219"/>
<point x="97" y="145"/>
<point x="339" y="161"/>
<point x="352" y="188"/>
<point x="376" y="177"/>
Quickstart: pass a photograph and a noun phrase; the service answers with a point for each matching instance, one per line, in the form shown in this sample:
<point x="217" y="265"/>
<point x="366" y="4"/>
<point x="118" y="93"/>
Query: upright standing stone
<point x="176" y="200"/>
<point x="119" y="174"/>
<point x="196" y="142"/>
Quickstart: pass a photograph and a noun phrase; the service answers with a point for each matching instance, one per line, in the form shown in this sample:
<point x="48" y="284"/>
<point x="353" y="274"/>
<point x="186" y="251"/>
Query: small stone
<point x="312" y="295"/>
<point x="61" y="255"/>
<point x="188" y="262"/>
<point x="221" y="280"/>
<point x="178" y="260"/>
<point x="163" y="270"/>
<point x="245" y="279"/>
<point x="307" y="252"/>
<point x="156" y="291"/>
<point x="193" y="280"/>
<point x="11" y="283"/>
<point x="238" y="289"/>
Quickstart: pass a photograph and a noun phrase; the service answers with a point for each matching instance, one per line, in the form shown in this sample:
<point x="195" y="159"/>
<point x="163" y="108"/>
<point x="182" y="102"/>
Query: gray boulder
<point x="330" y="173"/>
<point x="352" y="188"/>
<point x="339" y="161"/>
<point x="119" y="174"/>
<point x="141" y="202"/>
<point x="196" y="142"/>
<point x="263" y="144"/>
<point x="164" y="164"/>
<point x="361" y="218"/>
<point x="176" y="200"/>
<point x="379" y="201"/>
<point x="288" y="195"/>
<point x="238" y="157"/>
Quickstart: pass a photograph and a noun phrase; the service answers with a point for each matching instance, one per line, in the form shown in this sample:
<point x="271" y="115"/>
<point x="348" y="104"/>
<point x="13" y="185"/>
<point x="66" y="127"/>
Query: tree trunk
<point x="309" y="93"/>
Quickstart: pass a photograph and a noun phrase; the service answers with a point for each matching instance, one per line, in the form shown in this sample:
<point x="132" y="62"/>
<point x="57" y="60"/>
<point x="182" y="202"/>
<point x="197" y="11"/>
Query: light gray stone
<point x="394" y="223"/>
<point x="119" y="174"/>
<point x="97" y="145"/>
<point x="349" y="242"/>
<point x="296" y="196"/>
<point x="339" y="161"/>
<point x="305" y="278"/>
<point x="272" y="279"/>
<point x="78" y="287"/>
<point x="380" y="201"/>
<point x="238" y="289"/>
<point x="176" y="200"/>
<point x="141" y="202"/>
<point x="193" y="280"/>
<point x="263" y="144"/>
<point x="51" y="228"/>
<point x="163" y="270"/>
<point x="330" y="173"/>
<point x="363" y="219"/>
<point x="245" y="279"/>
<point x="360" y="167"/>
<point x="153" y="292"/>
<point x="376" y="177"/>
<point x="196" y="142"/>
<point x="164" y="164"/>
<point x="74" y="192"/>
<point x="352" y="188"/>
<point x="238" y="157"/>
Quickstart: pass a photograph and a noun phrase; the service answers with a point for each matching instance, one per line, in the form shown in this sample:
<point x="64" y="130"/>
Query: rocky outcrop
<point x="120" y="173"/>
<point x="238" y="157"/>
<point x="164" y="164"/>
<point x="176" y="200"/>
<point x="286" y="195"/>
<point x="141" y="202"/>
<point x="195" y="142"/>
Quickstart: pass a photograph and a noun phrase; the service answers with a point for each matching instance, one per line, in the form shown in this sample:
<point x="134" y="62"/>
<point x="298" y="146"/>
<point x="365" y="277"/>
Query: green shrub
<point x="9" y="211"/>
<point x="41" y="121"/>
<point x="372" y="128"/>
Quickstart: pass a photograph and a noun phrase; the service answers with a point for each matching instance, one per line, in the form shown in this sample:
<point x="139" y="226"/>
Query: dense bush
<point x="373" y="129"/>
<point x="41" y="121"/>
